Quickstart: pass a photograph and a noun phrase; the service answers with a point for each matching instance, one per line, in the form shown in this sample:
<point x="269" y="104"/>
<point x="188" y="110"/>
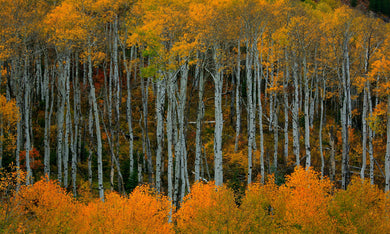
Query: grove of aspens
<point x="194" y="116"/>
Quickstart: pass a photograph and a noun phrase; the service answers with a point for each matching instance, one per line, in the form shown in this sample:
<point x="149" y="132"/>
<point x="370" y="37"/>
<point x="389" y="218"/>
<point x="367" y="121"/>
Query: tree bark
<point x="238" y="86"/>
<point x="307" y="117"/>
<point x="387" y="157"/>
<point x="251" y="111"/>
<point x="199" y="118"/>
<point x="160" y="101"/>
<point x="295" y="115"/>
<point x="97" y="127"/>
<point x="218" y="82"/>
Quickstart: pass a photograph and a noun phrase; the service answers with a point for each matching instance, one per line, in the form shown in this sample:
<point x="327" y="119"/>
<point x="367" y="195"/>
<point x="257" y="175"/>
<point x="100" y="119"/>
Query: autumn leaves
<point x="305" y="203"/>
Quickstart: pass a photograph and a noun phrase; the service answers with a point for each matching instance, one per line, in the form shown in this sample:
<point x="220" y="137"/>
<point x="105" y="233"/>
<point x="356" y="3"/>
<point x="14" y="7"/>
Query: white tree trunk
<point x="68" y="124"/>
<point x="387" y="157"/>
<point x="218" y="82"/>
<point x="345" y="115"/>
<point x="259" y="77"/>
<point x="276" y="137"/>
<point x="371" y="134"/>
<point x="27" y="145"/>
<point x="144" y="88"/>
<point x="49" y="101"/>
<point x="97" y="127"/>
<point x="76" y="113"/>
<point x="199" y="119"/>
<point x="160" y="101"/>
<point x="90" y="130"/>
<point x="307" y="117"/>
<point x="238" y="86"/>
<point x="320" y="130"/>
<point x="60" y="117"/>
<point x="181" y="114"/>
<point x="286" y="111"/>
<point x="251" y="110"/>
<point x="169" y="136"/>
<point x="295" y="115"/>
<point x="364" y="135"/>
<point x="128" y="105"/>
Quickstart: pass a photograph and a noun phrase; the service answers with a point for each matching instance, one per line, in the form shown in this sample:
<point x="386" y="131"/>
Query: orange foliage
<point x="35" y="159"/>
<point x="302" y="202"/>
<point x="143" y="211"/>
<point x="9" y="180"/>
<point x="207" y="209"/>
<point x="9" y="116"/>
<point x="43" y="207"/>
<point x="305" y="203"/>
<point x="256" y="208"/>
<point x="362" y="208"/>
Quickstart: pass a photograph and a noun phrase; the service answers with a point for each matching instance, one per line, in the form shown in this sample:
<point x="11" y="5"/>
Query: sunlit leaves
<point x="144" y="211"/>
<point x="207" y="208"/>
<point x="9" y="116"/>
<point x="305" y="203"/>
<point x="66" y="25"/>
<point x="362" y="208"/>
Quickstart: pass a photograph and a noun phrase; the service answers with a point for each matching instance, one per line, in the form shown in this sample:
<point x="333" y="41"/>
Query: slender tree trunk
<point x="128" y="105"/>
<point x="160" y="101"/>
<point x="49" y="101"/>
<point x="387" y="157"/>
<point x="27" y="107"/>
<point x="286" y="111"/>
<point x="307" y="117"/>
<point x="144" y="88"/>
<point x="238" y="86"/>
<point x="19" y="133"/>
<point x="1" y="141"/>
<point x="60" y="117"/>
<point x="332" y="169"/>
<point x="320" y="130"/>
<point x="117" y="102"/>
<point x="91" y="144"/>
<point x="370" y="137"/>
<point x="364" y="135"/>
<point x="218" y="82"/>
<point x="169" y="136"/>
<point x="181" y="115"/>
<point x="68" y="124"/>
<point x="199" y="119"/>
<point x="251" y="111"/>
<point x="276" y="136"/>
<point x="176" y="143"/>
<point x="76" y="112"/>
<point x="295" y="115"/>
<point x="259" y="77"/>
<point x="345" y="116"/>
<point x="97" y="126"/>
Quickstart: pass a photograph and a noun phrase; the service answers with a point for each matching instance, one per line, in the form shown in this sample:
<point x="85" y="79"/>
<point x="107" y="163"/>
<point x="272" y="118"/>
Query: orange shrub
<point x="43" y="207"/>
<point x="207" y="209"/>
<point x="144" y="211"/>
<point x="256" y="208"/>
<point x="10" y="180"/>
<point x="301" y="204"/>
<point x="362" y="208"/>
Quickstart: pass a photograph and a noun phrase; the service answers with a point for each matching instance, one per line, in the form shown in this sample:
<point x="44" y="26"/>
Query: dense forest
<point x="109" y="95"/>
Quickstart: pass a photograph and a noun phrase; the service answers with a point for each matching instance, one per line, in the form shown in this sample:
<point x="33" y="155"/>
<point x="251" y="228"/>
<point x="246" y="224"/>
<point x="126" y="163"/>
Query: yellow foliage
<point x="207" y="209"/>
<point x="362" y="208"/>
<point x="144" y="211"/>
<point x="9" y="116"/>
<point x="256" y="208"/>
<point x="44" y="207"/>
<point x="301" y="205"/>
